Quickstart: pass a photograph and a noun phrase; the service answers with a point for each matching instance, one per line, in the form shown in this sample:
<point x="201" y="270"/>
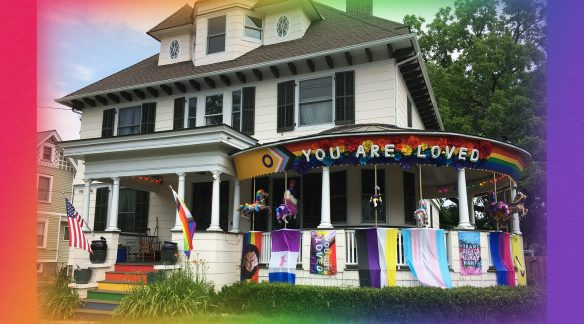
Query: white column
<point x="325" y="209"/>
<point x="471" y="210"/>
<point x="181" y="194"/>
<point x="463" y="219"/>
<point x="515" y="228"/>
<point x="112" y="217"/>
<point x="235" y="226"/>
<point x="86" y="198"/>
<point x="215" y="203"/>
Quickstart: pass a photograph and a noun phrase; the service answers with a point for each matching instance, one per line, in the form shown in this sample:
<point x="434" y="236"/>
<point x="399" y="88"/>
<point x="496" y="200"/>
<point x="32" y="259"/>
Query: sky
<point x="81" y="42"/>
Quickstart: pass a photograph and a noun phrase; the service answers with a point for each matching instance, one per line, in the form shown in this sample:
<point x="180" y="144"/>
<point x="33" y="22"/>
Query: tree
<point x="486" y="63"/>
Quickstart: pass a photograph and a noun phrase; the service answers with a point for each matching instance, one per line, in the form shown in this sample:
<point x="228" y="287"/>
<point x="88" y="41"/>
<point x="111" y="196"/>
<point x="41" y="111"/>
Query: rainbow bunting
<point x="188" y="223"/>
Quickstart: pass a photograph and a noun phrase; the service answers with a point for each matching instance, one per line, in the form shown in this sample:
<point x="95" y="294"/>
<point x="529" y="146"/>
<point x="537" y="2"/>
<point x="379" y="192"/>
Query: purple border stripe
<point x="373" y="252"/>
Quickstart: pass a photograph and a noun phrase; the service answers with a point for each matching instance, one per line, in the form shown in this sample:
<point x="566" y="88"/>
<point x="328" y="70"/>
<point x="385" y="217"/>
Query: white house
<point x="235" y="84"/>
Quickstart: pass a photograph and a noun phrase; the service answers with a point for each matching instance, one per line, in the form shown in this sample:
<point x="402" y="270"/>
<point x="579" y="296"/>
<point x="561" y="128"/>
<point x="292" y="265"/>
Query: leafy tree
<point x="486" y="62"/>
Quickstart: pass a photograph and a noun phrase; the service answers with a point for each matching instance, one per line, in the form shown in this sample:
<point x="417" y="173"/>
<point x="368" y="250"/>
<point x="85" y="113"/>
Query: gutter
<point x="384" y="41"/>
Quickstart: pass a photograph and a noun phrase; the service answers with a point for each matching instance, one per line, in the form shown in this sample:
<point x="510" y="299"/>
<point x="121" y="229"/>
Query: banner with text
<point x="323" y="252"/>
<point x="469" y="248"/>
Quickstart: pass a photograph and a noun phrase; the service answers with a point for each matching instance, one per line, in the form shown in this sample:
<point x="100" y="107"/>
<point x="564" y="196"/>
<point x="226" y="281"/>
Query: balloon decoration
<point x="499" y="210"/>
<point x="421" y="214"/>
<point x="258" y="206"/>
<point x="289" y="206"/>
<point x="516" y="205"/>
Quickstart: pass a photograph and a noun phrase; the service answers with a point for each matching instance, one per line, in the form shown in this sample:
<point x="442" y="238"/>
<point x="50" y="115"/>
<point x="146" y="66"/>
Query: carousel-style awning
<point x="382" y="144"/>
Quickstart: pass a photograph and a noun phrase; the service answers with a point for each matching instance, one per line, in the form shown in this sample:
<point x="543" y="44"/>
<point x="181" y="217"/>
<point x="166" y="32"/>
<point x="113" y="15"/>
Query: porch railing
<point x="267" y="248"/>
<point x="351" y="249"/>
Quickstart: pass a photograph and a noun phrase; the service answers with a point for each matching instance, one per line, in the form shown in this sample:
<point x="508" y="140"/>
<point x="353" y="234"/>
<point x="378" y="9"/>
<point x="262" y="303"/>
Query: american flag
<point x="77" y="238"/>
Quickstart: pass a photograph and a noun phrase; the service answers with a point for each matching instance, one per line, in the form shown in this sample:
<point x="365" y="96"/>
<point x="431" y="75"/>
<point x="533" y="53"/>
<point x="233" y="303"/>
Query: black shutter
<point x="285" y="106"/>
<point x="179" y="114"/>
<point x="248" y="111"/>
<point x="101" y="204"/>
<point x="107" y="126"/>
<point x="345" y="98"/>
<point x="148" y="117"/>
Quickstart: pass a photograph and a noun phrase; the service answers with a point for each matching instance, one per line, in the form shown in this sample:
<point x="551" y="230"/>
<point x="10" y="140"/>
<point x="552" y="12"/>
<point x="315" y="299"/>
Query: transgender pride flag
<point x="425" y="254"/>
<point x="285" y="251"/>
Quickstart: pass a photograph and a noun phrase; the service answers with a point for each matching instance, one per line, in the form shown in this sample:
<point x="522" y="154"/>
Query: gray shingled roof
<point x="336" y="30"/>
<point x="183" y="16"/>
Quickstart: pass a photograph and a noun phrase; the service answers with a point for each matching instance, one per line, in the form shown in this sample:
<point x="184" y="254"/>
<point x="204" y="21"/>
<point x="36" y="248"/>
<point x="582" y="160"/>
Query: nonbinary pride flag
<point x="188" y="223"/>
<point x="376" y="254"/>
<point x="77" y="238"/>
<point x="284" y="257"/>
<point x="500" y="246"/>
<point x="425" y="254"/>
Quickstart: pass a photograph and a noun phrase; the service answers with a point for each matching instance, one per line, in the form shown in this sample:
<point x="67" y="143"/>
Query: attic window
<point x="216" y="35"/>
<point x="47" y="153"/>
<point x="282" y="26"/>
<point x="253" y="27"/>
<point x="174" y="49"/>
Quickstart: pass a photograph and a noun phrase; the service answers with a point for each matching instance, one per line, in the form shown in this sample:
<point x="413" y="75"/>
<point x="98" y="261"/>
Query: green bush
<point x="390" y="303"/>
<point x="56" y="299"/>
<point x="174" y="293"/>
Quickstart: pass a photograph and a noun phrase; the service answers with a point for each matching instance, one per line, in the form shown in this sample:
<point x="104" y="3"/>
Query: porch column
<point x="86" y="198"/>
<point x="181" y="194"/>
<point x="463" y="220"/>
<point x="471" y="210"/>
<point x="215" y="203"/>
<point x="235" y="226"/>
<point x="112" y="217"/>
<point x="515" y="228"/>
<point x="325" y="209"/>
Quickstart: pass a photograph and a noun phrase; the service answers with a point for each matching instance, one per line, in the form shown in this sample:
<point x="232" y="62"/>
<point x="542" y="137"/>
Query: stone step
<point x="106" y="295"/>
<point x="134" y="267"/>
<point x="92" y="314"/>
<point x="113" y="285"/>
<point x="101" y="305"/>
<point x="137" y="277"/>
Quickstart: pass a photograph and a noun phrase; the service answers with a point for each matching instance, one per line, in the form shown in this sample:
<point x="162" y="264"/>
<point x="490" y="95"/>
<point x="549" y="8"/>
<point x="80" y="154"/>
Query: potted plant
<point x="82" y="276"/>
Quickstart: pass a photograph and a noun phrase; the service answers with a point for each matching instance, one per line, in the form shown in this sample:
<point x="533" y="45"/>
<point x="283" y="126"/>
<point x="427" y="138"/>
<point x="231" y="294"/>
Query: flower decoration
<point x="406" y="150"/>
<point x="367" y="146"/>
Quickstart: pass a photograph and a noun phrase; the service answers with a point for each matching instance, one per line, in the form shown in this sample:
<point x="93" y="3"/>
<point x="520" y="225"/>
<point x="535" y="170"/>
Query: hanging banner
<point x="500" y="246"/>
<point x="469" y="248"/>
<point x="323" y="253"/>
<point x="425" y="255"/>
<point x="403" y="148"/>
<point x="284" y="256"/>
<point x="376" y="254"/>
<point x="519" y="259"/>
<point x="250" y="256"/>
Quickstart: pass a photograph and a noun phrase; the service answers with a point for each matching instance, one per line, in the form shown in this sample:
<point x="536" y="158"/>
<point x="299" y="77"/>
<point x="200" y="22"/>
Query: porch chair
<point x="149" y="248"/>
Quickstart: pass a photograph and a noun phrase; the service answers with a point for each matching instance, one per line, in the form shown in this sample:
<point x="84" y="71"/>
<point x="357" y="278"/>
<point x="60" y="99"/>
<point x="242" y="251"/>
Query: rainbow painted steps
<point x="101" y="302"/>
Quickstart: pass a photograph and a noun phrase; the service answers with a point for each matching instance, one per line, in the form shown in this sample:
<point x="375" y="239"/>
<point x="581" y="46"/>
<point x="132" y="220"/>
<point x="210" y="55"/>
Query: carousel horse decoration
<point x="499" y="210"/>
<point x="421" y="214"/>
<point x="516" y="206"/>
<point x="289" y="206"/>
<point x="258" y="206"/>
<point x="376" y="200"/>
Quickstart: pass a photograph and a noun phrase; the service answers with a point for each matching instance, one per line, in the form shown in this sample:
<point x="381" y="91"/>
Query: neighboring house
<point x="55" y="174"/>
<point x="239" y="94"/>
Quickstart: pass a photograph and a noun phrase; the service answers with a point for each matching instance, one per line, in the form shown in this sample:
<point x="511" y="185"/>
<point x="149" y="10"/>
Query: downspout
<point x="417" y="56"/>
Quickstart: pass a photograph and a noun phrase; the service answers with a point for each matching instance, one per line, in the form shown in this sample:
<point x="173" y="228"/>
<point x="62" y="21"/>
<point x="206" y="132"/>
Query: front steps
<point x="101" y="302"/>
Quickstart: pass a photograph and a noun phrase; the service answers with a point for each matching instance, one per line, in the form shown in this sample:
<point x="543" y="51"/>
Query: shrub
<point x="56" y="299"/>
<point x="390" y="303"/>
<point x="174" y="293"/>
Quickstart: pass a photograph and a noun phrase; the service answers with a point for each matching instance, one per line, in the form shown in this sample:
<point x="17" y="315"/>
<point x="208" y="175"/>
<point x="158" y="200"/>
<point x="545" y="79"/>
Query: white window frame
<point x="117" y="119"/>
<point x="214" y="35"/>
<point x="261" y="30"/>
<point x="177" y="49"/>
<point x="297" y="101"/>
<point x="50" y="187"/>
<point x="45" y="234"/>
<point x="222" y="94"/>
<point x="65" y="232"/>
<point x="52" y="147"/>
<point x="240" y="90"/>
<point x="276" y="27"/>
<point x="187" y="115"/>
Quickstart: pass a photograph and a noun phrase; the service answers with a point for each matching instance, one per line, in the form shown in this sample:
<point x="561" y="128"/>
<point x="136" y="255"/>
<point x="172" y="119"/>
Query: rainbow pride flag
<point x="250" y="256"/>
<point x="425" y="255"/>
<point x="500" y="246"/>
<point x="376" y="254"/>
<point x="188" y="223"/>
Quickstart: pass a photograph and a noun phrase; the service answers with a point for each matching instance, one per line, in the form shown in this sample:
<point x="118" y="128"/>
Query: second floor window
<point x="236" y="110"/>
<point x="253" y="27"/>
<point x="44" y="188"/>
<point x="316" y="101"/>
<point x="192" y="113"/>
<point x="129" y="120"/>
<point x="214" y="110"/>
<point x="216" y="35"/>
<point x="41" y="233"/>
<point x="47" y="153"/>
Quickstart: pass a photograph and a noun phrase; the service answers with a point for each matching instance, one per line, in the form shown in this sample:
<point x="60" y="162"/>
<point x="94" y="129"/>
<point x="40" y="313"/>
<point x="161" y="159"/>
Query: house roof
<point x="336" y="30"/>
<point x="183" y="16"/>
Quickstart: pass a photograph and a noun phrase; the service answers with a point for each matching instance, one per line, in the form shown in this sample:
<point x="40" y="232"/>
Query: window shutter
<point x="107" y="126"/>
<point x="345" y="98"/>
<point x="248" y="111"/>
<point x="179" y="114"/>
<point x="285" y="106"/>
<point x="148" y="117"/>
<point x="101" y="205"/>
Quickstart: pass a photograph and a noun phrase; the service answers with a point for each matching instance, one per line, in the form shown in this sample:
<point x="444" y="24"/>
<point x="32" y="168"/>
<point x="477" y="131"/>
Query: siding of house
<point x="185" y="42"/>
<point x="63" y="255"/>
<point x="49" y="253"/>
<point x="402" y="106"/>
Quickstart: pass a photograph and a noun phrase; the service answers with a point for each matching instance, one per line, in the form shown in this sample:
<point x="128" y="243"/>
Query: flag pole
<point x="375" y="194"/>
<point x="285" y="189"/>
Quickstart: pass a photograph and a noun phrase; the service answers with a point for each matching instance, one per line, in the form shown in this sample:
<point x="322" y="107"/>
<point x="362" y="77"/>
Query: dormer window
<point x="216" y="35"/>
<point x="253" y="27"/>
<point x="47" y="153"/>
<point x="174" y="49"/>
<point x="282" y="26"/>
